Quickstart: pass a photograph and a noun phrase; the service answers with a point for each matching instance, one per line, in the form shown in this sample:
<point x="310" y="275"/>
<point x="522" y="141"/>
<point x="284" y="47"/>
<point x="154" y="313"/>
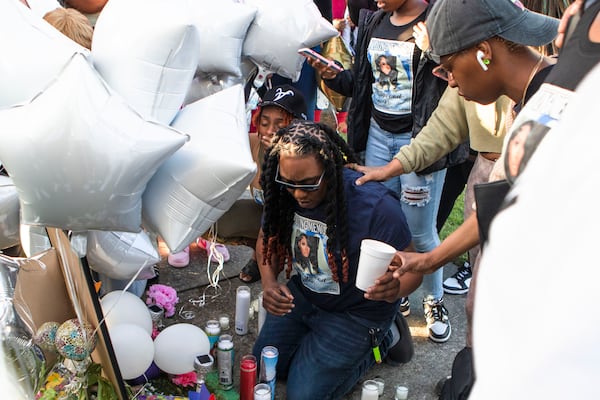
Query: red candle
<point x="247" y="377"/>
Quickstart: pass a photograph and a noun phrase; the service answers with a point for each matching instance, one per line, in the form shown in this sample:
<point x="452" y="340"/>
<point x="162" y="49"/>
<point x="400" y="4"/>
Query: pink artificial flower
<point x="184" y="380"/>
<point x="163" y="296"/>
<point x="155" y="332"/>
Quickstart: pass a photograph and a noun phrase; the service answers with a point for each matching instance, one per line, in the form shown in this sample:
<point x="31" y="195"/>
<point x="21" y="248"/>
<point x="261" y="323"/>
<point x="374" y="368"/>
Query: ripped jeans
<point x="420" y="197"/>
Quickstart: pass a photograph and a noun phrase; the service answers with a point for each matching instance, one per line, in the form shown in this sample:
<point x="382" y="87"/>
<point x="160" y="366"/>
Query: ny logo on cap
<point x="279" y="94"/>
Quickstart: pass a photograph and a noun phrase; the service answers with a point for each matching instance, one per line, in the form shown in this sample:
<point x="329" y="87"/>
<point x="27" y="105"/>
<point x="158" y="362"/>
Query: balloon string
<point x="213" y="278"/>
<point x="106" y="313"/>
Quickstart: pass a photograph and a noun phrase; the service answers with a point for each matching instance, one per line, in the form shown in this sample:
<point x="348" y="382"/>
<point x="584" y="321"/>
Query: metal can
<point x="225" y="357"/>
<point x="262" y="391"/>
<point x="268" y="367"/>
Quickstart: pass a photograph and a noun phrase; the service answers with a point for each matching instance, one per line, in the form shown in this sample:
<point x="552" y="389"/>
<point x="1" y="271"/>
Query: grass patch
<point x="455" y="219"/>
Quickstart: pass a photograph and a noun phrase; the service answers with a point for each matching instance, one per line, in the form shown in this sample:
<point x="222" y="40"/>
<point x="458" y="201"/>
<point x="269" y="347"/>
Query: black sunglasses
<point x="293" y="186"/>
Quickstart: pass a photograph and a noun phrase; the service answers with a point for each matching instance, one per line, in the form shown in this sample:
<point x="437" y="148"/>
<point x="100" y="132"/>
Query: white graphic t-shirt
<point x="392" y="65"/>
<point x="309" y="253"/>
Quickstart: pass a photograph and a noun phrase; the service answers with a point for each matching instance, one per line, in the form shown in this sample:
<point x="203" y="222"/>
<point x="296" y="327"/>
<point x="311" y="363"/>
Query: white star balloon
<point x="198" y="184"/>
<point x="222" y="27"/>
<point x="119" y="255"/>
<point x="279" y="29"/>
<point x="33" y="53"/>
<point x="9" y="213"/>
<point x="79" y="156"/>
<point x="147" y="51"/>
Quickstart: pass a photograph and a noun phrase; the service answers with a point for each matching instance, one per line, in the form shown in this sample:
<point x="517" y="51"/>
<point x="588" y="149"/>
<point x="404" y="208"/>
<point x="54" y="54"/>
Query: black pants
<point x="463" y="377"/>
<point x="456" y="179"/>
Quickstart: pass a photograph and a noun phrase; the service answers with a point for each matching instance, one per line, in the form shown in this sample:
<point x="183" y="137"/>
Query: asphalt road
<point x="431" y="361"/>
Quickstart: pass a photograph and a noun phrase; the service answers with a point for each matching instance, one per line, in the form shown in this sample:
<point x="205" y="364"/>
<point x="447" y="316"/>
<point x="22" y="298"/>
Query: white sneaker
<point x="460" y="282"/>
<point x="436" y="316"/>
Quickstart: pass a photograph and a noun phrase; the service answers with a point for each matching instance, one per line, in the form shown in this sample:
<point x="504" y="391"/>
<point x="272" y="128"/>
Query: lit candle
<point x="370" y="390"/>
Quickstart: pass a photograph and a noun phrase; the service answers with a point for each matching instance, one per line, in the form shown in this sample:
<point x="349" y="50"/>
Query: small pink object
<point x="218" y="247"/>
<point x="181" y="259"/>
<point x="187" y="379"/>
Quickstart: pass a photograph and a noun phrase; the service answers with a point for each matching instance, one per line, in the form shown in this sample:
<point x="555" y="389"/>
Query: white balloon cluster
<point x="130" y="325"/>
<point x="91" y="140"/>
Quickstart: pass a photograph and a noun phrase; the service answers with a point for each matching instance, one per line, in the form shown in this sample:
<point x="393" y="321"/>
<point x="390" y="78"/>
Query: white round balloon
<point x="134" y="349"/>
<point x="176" y="348"/>
<point x="120" y="307"/>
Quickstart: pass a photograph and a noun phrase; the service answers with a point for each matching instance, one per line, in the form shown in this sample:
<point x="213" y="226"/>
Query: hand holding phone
<point x="310" y="53"/>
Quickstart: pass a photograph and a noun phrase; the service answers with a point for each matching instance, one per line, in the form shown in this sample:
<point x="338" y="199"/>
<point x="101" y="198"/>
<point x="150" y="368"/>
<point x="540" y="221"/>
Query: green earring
<point x="486" y="61"/>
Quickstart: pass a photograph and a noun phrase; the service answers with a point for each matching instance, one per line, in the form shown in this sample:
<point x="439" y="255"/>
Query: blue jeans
<point x="419" y="195"/>
<point x="321" y="354"/>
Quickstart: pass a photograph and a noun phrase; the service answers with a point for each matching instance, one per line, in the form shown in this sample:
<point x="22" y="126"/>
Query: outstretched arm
<point x="462" y="239"/>
<point x="383" y="173"/>
<point x="388" y="288"/>
<point x="446" y="128"/>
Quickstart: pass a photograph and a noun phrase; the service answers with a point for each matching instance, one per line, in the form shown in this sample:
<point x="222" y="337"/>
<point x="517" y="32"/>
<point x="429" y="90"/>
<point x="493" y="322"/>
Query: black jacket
<point x="357" y="83"/>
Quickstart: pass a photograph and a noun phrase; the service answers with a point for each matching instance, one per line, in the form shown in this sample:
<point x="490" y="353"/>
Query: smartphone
<point x="305" y="51"/>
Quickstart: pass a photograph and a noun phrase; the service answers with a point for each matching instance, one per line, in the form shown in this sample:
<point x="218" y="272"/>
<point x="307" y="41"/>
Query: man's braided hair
<point x="304" y="138"/>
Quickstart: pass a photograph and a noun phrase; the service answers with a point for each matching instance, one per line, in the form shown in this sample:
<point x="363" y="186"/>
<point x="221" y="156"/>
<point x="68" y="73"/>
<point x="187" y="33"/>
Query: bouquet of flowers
<point x="163" y="296"/>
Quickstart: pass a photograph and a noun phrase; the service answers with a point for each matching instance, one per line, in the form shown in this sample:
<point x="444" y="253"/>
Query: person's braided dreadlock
<point x="302" y="138"/>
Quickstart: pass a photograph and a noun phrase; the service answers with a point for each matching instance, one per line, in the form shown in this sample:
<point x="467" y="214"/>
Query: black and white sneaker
<point x="405" y="306"/>
<point x="459" y="282"/>
<point x="436" y="316"/>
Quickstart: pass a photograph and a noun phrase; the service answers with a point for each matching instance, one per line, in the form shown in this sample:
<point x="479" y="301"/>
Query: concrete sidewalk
<point x="430" y="363"/>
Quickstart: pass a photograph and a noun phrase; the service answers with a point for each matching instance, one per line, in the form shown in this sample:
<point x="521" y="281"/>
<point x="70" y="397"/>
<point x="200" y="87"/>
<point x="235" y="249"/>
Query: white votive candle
<point x="224" y="321"/>
<point x="370" y="390"/>
<point x="401" y="393"/>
